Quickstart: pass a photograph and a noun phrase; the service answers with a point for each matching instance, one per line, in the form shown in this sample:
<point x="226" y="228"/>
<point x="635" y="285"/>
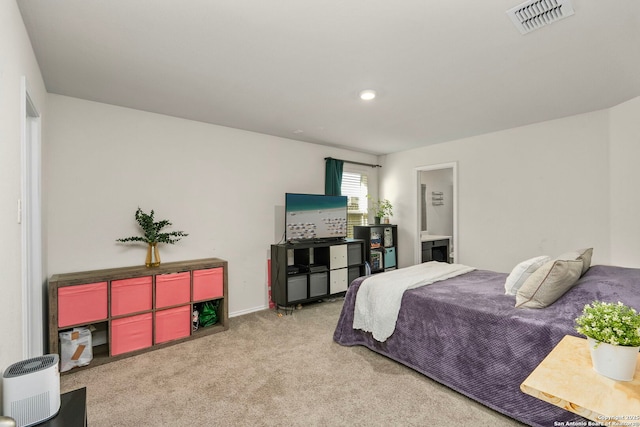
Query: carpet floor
<point x="270" y="371"/>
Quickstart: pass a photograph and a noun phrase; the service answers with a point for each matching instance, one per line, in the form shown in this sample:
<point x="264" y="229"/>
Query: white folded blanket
<point x="379" y="296"/>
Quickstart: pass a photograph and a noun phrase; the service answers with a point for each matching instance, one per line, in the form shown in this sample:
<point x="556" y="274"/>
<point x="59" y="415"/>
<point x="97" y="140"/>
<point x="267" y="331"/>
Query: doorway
<point x="437" y="206"/>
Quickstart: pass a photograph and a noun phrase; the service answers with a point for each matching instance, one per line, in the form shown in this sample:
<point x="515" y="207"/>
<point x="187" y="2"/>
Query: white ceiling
<point x="443" y="69"/>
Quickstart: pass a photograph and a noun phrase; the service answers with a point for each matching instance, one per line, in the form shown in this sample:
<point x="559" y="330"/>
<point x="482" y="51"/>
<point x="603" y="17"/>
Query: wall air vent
<point x="534" y="14"/>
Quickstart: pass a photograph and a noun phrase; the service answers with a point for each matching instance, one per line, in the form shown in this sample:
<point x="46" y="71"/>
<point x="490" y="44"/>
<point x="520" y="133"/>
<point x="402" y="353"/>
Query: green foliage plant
<point x="152" y="230"/>
<point x="615" y="324"/>
<point x="382" y="208"/>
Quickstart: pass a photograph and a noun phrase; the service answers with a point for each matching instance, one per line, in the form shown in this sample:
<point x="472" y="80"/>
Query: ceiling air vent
<point x="535" y="14"/>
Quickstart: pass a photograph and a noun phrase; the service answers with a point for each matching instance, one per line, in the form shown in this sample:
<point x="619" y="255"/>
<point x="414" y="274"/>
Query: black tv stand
<point x="307" y="271"/>
<point x="331" y="240"/>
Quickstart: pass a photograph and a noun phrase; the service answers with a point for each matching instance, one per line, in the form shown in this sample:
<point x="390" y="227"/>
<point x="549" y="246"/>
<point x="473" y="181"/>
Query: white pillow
<point x="521" y="273"/>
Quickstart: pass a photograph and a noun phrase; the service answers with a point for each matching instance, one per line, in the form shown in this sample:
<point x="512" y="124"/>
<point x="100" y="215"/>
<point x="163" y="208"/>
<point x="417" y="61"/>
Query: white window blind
<point x="354" y="186"/>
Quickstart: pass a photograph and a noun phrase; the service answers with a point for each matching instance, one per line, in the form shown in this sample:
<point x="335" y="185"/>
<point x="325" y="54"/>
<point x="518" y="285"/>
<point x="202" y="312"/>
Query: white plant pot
<point x="613" y="361"/>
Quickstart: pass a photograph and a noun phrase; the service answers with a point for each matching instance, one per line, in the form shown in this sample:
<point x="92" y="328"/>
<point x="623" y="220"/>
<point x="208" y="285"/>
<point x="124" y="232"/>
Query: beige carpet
<point x="270" y="371"/>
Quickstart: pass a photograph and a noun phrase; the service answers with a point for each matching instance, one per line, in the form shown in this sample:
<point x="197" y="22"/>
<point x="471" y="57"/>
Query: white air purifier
<point x="31" y="390"/>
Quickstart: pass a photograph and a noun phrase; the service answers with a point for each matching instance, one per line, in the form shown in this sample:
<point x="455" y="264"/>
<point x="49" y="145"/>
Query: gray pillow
<point x="548" y="283"/>
<point x="581" y="254"/>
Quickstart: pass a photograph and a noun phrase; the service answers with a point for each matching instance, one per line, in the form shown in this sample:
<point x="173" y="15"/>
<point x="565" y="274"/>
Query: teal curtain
<point x="333" y="177"/>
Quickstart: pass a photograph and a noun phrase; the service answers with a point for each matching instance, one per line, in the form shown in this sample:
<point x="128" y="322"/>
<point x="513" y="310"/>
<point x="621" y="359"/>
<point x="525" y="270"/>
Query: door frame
<point x="454" y="239"/>
<point x="30" y="217"/>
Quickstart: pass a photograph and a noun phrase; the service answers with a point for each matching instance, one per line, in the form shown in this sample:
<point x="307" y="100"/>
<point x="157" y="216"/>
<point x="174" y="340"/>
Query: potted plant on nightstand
<point x="613" y="336"/>
<point x="152" y="235"/>
<point x="382" y="209"/>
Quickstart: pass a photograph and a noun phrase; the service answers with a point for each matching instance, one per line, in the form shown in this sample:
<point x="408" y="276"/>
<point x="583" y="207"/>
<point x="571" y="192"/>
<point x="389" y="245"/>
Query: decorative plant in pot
<point x="152" y="235"/>
<point x="382" y="209"/>
<point x="613" y="336"/>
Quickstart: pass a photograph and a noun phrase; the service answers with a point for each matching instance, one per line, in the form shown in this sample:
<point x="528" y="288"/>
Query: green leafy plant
<point x="615" y="324"/>
<point x="382" y="208"/>
<point x="152" y="230"/>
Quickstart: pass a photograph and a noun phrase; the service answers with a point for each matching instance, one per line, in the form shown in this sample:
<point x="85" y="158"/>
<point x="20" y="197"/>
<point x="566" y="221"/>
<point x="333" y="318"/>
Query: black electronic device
<point x="317" y="268"/>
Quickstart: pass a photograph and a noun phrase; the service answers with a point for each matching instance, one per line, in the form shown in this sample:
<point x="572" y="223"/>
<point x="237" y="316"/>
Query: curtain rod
<point x="355" y="163"/>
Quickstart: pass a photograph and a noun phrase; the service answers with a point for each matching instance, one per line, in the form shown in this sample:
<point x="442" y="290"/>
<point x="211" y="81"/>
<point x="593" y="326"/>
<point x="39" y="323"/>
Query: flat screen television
<point x="315" y="217"/>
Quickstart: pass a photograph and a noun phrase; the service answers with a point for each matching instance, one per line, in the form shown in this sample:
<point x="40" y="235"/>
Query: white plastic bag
<point x="75" y="348"/>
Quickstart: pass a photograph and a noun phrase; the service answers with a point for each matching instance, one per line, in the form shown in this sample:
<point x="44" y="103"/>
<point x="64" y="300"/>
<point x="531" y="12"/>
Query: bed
<point x="465" y="333"/>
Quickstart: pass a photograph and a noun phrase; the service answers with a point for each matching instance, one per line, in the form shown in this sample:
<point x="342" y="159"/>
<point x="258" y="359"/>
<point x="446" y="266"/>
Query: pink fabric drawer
<point x="131" y="333"/>
<point x="173" y="323"/>
<point x="82" y="304"/>
<point x="208" y="284"/>
<point x="173" y="289"/>
<point x="131" y="295"/>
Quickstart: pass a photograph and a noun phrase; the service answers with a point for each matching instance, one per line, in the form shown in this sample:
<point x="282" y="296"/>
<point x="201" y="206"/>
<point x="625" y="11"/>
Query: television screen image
<point x="315" y="216"/>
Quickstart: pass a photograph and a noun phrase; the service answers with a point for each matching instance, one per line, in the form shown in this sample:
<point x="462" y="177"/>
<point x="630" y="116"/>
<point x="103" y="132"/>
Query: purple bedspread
<point x="466" y="334"/>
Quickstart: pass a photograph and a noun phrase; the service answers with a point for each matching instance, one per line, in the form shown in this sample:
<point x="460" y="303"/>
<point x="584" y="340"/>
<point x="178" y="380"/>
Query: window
<point x="354" y="186"/>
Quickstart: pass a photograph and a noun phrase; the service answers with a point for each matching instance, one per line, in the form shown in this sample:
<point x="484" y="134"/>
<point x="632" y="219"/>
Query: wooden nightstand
<point x="566" y="378"/>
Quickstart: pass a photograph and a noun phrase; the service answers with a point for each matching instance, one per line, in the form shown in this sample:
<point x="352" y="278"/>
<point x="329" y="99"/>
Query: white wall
<point x="222" y="186"/>
<point x="538" y="189"/>
<point x="625" y="177"/>
<point x="16" y="60"/>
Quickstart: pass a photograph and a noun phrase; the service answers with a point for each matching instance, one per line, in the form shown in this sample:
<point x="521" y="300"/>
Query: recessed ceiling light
<point x="368" y="94"/>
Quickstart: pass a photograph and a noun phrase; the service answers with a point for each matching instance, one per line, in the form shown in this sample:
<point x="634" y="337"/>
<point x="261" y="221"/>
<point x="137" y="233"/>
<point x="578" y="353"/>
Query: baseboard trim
<point x="248" y="310"/>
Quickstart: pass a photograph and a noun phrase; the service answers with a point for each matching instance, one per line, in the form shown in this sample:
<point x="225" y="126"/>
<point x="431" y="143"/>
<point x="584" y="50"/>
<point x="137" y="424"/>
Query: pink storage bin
<point x="173" y="289"/>
<point x="82" y="304"/>
<point x="173" y="323"/>
<point x="131" y="295"/>
<point x="131" y="333"/>
<point x="208" y="284"/>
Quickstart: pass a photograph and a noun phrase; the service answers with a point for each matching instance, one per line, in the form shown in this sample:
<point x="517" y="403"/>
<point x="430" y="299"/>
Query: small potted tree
<point x="152" y="235"/>
<point x="382" y="209"/>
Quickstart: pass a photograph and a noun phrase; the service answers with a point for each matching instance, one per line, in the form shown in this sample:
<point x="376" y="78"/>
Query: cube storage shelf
<point x="381" y="241"/>
<point x="137" y="309"/>
<point x="308" y="271"/>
